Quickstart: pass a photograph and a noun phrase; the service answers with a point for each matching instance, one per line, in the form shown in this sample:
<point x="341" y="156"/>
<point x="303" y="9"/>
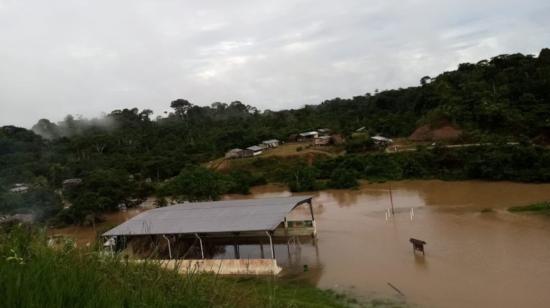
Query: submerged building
<point x="194" y="231"/>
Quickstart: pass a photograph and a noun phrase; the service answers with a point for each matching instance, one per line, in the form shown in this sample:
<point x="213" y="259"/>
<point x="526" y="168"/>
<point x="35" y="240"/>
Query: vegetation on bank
<point x="524" y="163"/>
<point x="542" y="208"/>
<point x="35" y="275"/>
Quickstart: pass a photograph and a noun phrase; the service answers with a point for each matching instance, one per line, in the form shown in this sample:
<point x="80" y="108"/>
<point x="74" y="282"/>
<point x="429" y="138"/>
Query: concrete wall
<point x="223" y="266"/>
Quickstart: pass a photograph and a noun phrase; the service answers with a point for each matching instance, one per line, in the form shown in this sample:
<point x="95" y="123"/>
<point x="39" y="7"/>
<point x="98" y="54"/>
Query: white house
<point x="234" y="153"/>
<point x="256" y="150"/>
<point x="308" y="135"/>
<point x="19" y="188"/>
<point x="381" y="140"/>
<point x="271" y="143"/>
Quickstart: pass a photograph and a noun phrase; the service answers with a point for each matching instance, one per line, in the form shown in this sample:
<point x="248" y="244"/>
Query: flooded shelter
<point x="199" y="226"/>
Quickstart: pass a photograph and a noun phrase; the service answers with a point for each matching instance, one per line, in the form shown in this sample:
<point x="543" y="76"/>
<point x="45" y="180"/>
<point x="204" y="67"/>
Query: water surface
<point x="473" y="259"/>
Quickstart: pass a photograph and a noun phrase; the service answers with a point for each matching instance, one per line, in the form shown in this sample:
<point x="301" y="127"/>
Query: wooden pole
<point x="391" y="201"/>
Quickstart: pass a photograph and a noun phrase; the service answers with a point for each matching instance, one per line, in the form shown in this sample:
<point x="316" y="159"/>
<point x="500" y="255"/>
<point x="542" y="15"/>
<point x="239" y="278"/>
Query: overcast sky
<point x="87" y="57"/>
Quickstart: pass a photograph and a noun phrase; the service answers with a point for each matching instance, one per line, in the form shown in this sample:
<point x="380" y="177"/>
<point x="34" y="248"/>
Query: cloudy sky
<point x="87" y="57"/>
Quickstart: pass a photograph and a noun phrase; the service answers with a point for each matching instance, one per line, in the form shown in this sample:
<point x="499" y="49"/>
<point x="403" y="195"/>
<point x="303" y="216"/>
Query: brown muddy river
<point x="473" y="259"/>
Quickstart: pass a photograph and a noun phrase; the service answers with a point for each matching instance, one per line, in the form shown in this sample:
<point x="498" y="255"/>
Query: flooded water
<point x="473" y="259"/>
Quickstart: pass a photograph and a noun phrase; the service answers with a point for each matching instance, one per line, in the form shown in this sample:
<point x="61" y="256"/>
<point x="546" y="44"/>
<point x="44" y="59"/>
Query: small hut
<point x="256" y="150"/>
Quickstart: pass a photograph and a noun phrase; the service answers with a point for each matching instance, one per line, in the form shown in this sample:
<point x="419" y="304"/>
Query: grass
<point x="542" y="208"/>
<point x="35" y="275"/>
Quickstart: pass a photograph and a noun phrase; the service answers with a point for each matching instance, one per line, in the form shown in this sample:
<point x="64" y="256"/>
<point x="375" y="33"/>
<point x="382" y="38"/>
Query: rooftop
<point x="380" y="138"/>
<point x="312" y="133"/>
<point x="211" y="217"/>
<point x="255" y="148"/>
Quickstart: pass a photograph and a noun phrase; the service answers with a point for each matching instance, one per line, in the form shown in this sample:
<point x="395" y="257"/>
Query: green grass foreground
<point x="543" y="208"/>
<point x="34" y="275"/>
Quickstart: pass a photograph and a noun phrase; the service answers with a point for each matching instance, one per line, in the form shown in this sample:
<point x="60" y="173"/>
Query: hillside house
<point x="19" y="188"/>
<point x="321" y="141"/>
<point x="256" y="150"/>
<point x="70" y="183"/>
<point x="379" y="140"/>
<point x="234" y="153"/>
<point x="271" y="143"/>
<point x="307" y="136"/>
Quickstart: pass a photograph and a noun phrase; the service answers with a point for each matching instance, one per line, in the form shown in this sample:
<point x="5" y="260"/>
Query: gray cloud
<point x="87" y="57"/>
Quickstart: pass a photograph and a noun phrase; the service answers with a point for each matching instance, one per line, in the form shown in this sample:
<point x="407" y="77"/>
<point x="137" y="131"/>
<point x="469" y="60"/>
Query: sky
<point x="89" y="57"/>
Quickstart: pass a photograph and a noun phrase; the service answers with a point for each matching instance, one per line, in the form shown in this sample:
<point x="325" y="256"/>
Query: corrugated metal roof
<point x="211" y="217"/>
<point x="255" y="148"/>
<point x="307" y="134"/>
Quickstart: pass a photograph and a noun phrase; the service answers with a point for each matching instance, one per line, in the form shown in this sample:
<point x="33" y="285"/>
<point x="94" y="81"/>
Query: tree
<point x="195" y="183"/>
<point x="181" y="107"/>
<point x="302" y="178"/>
<point x="342" y="178"/>
<point x="425" y="80"/>
<point x="46" y="129"/>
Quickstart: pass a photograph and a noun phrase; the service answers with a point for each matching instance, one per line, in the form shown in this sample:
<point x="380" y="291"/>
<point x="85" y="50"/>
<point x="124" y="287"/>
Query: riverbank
<point x="359" y="251"/>
<point x="35" y="275"/>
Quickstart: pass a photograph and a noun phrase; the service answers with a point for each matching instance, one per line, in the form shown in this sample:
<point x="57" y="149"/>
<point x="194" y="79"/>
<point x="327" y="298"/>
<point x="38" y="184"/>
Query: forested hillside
<point x="505" y="98"/>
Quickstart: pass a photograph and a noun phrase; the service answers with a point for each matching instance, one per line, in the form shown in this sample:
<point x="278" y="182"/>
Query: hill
<point x="128" y="154"/>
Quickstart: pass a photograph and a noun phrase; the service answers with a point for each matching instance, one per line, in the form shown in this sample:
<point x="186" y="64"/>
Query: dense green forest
<point x="129" y="154"/>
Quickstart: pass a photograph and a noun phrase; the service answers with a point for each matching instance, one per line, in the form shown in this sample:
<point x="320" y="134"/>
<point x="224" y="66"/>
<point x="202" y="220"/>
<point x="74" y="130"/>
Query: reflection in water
<point x="473" y="259"/>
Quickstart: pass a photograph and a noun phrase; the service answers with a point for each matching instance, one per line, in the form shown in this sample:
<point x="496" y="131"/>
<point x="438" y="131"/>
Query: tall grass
<point x="35" y="275"/>
<point x="543" y="207"/>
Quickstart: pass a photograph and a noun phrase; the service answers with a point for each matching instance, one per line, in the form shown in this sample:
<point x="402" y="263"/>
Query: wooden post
<point x="200" y="242"/>
<point x="391" y="201"/>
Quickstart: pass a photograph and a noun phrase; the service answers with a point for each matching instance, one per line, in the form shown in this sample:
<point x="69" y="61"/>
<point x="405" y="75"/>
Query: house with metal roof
<point x="381" y="140"/>
<point x="256" y="150"/>
<point x="271" y="143"/>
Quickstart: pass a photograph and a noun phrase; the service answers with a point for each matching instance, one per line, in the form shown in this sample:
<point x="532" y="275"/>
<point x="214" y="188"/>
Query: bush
<point x="302" y="178"/>
<point x="343" y="178"/>
<point x="195" y="183"/>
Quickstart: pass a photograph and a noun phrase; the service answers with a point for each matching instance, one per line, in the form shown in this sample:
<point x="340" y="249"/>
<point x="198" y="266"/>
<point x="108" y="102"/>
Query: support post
<point x="262" y="250"/>
<point x="271" y="244"/>
<point x="236" y="246"/>
<point x="200" y="242"/>
<point x="169" y="248"/>
<point x="312" y="219"/>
